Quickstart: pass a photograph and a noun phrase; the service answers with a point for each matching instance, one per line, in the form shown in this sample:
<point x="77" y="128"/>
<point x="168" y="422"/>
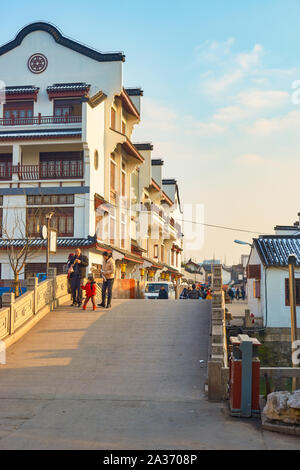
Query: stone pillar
<point x="8" y="300"/>
<point x="32" y="283"/>
<point x="52" y="278"/>
<point x="16" y="159"/>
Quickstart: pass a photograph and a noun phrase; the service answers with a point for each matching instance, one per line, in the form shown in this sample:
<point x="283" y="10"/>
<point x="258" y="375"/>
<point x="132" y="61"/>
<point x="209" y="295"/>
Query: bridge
<point x="129" y="377"/>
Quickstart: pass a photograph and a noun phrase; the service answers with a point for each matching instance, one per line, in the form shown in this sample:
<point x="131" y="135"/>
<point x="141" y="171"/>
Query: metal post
<point x="246" y="398"/>
<point x="292" y="291"/>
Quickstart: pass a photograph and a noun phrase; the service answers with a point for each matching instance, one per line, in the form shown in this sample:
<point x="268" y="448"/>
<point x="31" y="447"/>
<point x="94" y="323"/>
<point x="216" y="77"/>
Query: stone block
<point x="217" y="300"/>
<point x="218" y="313"/>
<point x="217" y="348"/>
<point x="283" y="407"/>
<point x="217" y="270"/>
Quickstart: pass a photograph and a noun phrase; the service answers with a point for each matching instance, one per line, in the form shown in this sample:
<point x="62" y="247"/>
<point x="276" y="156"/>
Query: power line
<point x="194" y="222"/>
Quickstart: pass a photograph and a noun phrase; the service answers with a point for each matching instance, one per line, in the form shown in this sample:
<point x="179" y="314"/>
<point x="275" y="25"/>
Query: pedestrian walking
<point x="194" y="293"/>
<point x="108" y="274"/>
<point x="243" y="293"/>
<point x="90" y="291"/>
<point x="163" y="294"/>
<point x="237" y="294"/>
<point x="78" y="263"/>
<point x="184" y="294"/>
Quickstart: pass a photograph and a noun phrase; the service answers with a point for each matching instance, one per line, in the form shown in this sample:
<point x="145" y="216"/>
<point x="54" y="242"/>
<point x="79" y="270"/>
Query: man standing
<point x="108" y="274"/>
<point x="194" y="293"/>
<point x="78" y="263"/>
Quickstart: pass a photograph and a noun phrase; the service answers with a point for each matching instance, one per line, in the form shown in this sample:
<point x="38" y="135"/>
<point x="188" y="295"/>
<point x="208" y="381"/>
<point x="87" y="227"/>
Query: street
<point x="125" y="378"/>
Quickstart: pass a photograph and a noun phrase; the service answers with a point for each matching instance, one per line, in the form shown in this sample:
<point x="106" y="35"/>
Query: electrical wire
<point x="222" y="227"/>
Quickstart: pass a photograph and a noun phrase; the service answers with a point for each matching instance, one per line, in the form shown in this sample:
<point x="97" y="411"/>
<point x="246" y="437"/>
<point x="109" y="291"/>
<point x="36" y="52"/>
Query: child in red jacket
<point x="90" y="292"/>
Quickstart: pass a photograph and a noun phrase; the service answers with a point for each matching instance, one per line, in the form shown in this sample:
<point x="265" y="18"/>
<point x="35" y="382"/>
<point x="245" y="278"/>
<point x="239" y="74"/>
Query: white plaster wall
<point x="14" y="213"/>
<point x="256" y="306"/>
<point x="278" y="314"/>
<point x="64" y="65"/>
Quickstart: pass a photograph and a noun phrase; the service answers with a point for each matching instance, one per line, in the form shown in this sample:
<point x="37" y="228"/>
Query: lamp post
<point x="241" y="242"/>
<point x="48" y="217"/>
<point x="292" y="259"/>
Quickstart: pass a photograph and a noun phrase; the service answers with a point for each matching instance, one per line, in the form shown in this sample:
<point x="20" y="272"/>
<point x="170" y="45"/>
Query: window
<point x="50" y="199"/>
<point x="18" y="110"/>
<point x="253" y="271"/>
<point x="112" y="230"/>
<point x="61" y="165"/>
<point x="123" y="181"/>
<point x="162" y="255"/>
<point x="177" y="259"/>
<point x="113" y="118"/>
<point x="113" y="178"/>
<point x="256" y="289"/>
<point x="287" y="292"/>
<point x="5" y="166"/>
<point x="123" y="230"/>
<point x="155" y="251"/>
<point x="64" y="108"/>
<point x="172" y="258"/>
<point x="62" y="220"/>
<point x="96" y="160"/>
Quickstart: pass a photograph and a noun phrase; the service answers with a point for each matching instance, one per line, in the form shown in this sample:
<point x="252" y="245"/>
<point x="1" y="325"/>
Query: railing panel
<point x="44" y="294"/>
<point x="4" y="322"/>
<point x="61" y="287"/>
<point x="37" y="120"/>
<point x="23" y="309"/>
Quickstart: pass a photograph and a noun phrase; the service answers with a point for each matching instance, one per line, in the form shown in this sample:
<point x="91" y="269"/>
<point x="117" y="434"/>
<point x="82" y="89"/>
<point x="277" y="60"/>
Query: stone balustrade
<point x="36" y="302"/>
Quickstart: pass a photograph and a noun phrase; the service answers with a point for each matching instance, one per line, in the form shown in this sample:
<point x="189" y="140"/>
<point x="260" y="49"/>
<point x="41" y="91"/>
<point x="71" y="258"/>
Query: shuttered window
<point x="287" y="292"/>
<point x="254" y="271"/>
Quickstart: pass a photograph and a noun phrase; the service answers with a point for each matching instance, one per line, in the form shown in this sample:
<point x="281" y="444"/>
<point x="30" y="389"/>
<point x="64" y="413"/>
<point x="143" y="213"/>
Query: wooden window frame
<point x="18" y="106"/>
<point x="113" y="118"/>
<point x="61" y="213"/>
<point x="287" y="292"/>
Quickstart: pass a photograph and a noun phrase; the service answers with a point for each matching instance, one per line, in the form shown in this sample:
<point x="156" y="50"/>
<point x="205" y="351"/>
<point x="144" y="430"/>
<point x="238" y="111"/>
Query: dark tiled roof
<point x="62" y="40"/>
<point x="68" y="87"/>
<point x="39" y="242"/>
<point x="157" y="161"/>
<point x="134" y="91"/>
<point x="274" y="250"/>
<point x="169" y="181"/>
<point x="41" y="134"/>
<point x="144" y="146"/>
<point x="16" y="90"/>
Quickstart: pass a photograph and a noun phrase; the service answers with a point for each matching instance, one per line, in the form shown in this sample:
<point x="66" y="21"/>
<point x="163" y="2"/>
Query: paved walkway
<point x="126" y="378"/>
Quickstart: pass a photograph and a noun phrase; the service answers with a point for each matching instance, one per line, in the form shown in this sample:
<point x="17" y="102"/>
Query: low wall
<point x="18" y="315"/>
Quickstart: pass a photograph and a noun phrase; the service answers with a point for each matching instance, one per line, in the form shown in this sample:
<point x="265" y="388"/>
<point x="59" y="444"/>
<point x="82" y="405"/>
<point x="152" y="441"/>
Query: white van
<point x="152" y="289"/>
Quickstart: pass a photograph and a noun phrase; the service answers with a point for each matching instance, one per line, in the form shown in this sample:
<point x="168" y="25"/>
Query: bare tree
<point x="20" y="241"/>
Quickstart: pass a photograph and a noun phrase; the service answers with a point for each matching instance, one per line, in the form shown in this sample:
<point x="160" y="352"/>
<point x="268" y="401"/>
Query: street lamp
<point x="241" y="242"/>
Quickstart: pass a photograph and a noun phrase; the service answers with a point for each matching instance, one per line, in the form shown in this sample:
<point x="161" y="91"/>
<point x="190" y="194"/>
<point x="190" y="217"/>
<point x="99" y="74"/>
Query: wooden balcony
<point x="39" y="120"/>
<point x="46" y="170"/>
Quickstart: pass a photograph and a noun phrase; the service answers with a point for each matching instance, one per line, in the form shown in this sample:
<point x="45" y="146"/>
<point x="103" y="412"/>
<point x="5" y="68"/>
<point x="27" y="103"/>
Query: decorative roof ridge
<point x="62" y="40"/>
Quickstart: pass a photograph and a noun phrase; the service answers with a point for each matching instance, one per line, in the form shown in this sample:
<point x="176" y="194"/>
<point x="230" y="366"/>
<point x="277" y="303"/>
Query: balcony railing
<point x="46" y="170"/>
<point x="36" y="120"/>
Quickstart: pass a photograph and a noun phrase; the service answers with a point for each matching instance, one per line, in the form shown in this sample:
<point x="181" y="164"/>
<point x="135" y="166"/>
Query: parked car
<point x="152" y="289"/>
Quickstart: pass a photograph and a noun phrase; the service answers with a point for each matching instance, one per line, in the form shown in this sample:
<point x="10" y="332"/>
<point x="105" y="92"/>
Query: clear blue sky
<point x="217" y="79"/>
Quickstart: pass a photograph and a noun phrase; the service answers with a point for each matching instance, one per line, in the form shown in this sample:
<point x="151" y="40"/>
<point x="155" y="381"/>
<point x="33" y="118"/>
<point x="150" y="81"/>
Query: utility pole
<point x="292" y="259"/>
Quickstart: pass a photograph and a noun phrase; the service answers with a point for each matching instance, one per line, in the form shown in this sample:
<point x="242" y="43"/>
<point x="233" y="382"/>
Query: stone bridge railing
<point x="18" y="315"/>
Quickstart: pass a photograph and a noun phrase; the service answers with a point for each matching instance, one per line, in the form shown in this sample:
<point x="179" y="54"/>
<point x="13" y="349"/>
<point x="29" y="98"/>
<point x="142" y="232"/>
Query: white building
<point x="267" y="272"/>
<point x="65" y="146"/>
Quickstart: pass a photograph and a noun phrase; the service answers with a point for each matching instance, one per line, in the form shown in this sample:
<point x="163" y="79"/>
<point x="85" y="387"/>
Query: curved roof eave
<point x="62" y="40"/>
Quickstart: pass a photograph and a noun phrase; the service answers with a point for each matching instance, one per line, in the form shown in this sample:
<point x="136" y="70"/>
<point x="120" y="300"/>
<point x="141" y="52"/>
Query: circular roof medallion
<point x="37" y="63"/>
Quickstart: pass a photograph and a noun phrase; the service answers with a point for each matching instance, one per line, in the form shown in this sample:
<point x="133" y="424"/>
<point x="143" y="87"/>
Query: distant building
<point x="267" y="273"/>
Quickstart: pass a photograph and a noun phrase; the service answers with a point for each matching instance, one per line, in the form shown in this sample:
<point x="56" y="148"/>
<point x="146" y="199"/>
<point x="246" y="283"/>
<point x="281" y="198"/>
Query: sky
<point x="220" y="104"/>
